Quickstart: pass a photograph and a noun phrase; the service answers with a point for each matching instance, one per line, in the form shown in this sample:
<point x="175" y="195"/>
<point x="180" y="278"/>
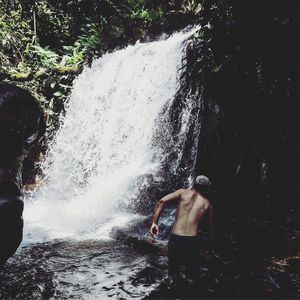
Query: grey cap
<point x="203" y="181"/>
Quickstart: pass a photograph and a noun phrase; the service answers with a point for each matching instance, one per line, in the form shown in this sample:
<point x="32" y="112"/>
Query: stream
<point x="81" y="270"/>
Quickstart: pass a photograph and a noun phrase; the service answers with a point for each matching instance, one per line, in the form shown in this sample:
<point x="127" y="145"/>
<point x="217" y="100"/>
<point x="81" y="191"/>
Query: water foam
<point x="117" y="128"/>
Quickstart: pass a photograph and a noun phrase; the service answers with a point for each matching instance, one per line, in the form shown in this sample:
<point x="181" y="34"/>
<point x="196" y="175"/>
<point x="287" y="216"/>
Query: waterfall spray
<point x="116" y="129"/>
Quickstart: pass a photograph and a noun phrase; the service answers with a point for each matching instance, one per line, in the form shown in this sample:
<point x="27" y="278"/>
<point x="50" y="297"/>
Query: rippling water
<point x="81" y="270"/>
<point x="131" y="268"/>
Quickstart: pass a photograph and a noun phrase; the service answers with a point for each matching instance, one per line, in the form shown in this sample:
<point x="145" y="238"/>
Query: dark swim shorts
<point x="184" y="253"/>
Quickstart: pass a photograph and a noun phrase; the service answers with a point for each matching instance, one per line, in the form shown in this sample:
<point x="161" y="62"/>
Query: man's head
<point x="202" y="184"/>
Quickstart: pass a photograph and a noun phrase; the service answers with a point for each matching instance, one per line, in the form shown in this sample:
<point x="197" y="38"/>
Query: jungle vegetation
<point x="44" y="44"/>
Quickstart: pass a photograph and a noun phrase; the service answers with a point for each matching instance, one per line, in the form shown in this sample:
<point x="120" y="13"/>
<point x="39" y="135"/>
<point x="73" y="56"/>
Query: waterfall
<point x="115" y="139"/>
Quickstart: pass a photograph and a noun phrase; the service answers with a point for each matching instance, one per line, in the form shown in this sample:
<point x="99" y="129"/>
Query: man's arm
<point x="160" y="205"/>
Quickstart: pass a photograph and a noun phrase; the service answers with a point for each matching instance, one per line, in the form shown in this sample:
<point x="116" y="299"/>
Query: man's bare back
<point x="190" y="210"/>
<point x="191" y="207"/>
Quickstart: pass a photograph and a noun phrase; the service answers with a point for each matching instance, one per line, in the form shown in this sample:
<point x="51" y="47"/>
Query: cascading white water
<point x="117" y="128"/>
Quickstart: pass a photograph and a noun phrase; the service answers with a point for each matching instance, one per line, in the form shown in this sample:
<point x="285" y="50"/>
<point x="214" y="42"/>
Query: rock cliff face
<point x="245" y="68"/>
<point x="21" y="125"/>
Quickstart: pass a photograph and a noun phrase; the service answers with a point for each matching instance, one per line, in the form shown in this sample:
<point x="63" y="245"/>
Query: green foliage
<point x="75" y="57"/>
<point x="15" y="36"/>
<point x="148" y="15"/>
<point x="192" y="6"/>
<point x="89" y="42"/>
<point x="53" y="25"/>
<point x="45" y="43"/>
<point x="44" y="56"/>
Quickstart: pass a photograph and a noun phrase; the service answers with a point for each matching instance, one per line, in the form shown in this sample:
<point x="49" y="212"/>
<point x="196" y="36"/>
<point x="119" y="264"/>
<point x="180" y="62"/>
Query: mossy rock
<point x="41" y="73"/>
<point x="69" y="70"/>
<point x="21" y="76"/>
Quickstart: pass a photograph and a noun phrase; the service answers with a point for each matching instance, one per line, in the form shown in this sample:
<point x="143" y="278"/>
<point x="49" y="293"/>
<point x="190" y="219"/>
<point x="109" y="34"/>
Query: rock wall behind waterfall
<point x="246" y="70"/>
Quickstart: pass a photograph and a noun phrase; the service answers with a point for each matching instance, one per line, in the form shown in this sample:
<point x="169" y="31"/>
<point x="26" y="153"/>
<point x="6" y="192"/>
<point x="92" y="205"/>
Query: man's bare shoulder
<point x="183" y="191"/>
<point x="187" y="194"/>
<point x="203" y="200"/>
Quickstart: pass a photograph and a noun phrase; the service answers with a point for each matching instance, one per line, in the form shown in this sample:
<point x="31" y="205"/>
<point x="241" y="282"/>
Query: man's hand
<point x="154" y="230"/>
<point x="160" y="205"/>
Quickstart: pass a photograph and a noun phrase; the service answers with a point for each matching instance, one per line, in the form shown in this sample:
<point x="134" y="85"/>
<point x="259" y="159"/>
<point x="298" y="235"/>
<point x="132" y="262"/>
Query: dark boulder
<point x="21" y="125"/>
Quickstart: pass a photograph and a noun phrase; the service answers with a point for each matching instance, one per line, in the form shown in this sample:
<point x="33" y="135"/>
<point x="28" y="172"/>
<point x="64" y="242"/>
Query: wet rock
<point x="149" y="275"/>
<point x="21" y="125"/>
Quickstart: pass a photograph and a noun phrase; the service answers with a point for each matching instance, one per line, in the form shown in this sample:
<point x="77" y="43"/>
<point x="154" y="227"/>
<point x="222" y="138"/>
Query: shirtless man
<point x="192" y="206"/>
